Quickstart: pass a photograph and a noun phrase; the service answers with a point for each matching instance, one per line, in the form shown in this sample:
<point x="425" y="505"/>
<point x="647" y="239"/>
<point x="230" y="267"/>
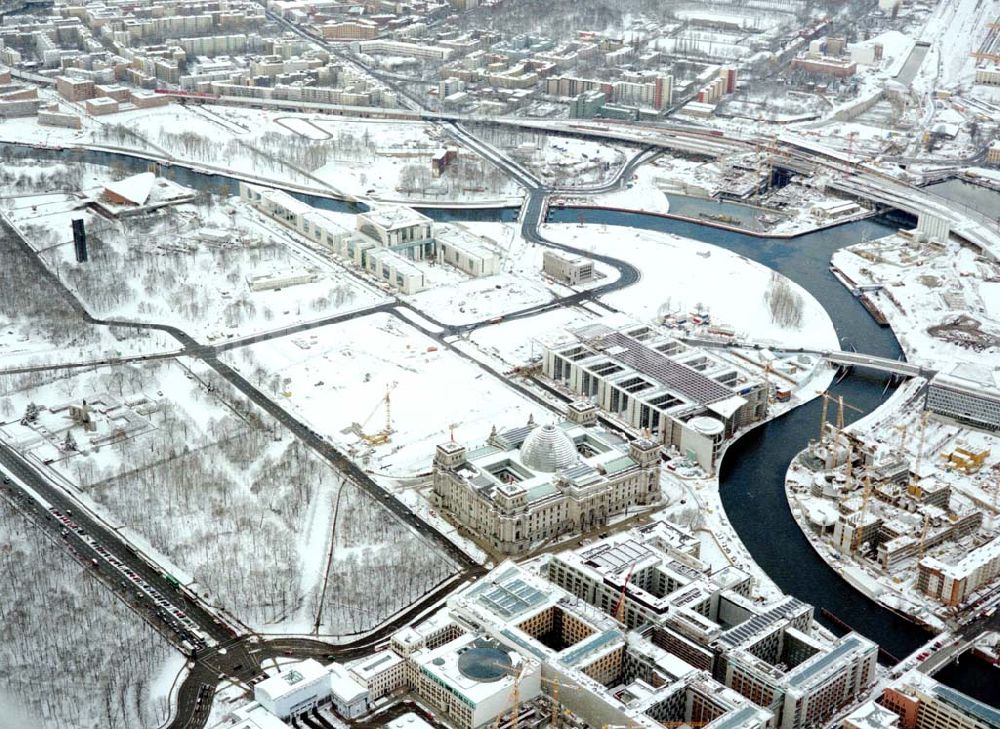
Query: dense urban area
<point x="500" y="364"/>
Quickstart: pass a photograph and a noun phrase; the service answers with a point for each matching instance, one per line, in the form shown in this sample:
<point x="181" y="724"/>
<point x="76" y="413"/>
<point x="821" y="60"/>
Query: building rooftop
<point x="135" y="189"/>
<point x="815" y="667"/>
<point x="343" y="685"/>
<point x="394" y="217"/>
<point x="987" y="714"/>
<point x="293" y="678"/>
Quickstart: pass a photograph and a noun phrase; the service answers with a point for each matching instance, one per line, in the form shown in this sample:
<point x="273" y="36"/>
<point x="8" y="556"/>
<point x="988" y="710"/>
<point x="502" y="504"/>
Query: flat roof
<point x="969" y="705"/>
<point x="806" y="672"/>
<point x="295" y="677"/>
<point x="511" y="597"/>
<point x="392" y="217"/>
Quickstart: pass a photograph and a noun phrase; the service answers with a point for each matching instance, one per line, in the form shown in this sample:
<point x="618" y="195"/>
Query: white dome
<point x="548" y="449"/>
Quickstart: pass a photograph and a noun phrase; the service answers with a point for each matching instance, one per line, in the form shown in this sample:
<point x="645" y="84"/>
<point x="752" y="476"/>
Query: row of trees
<point x="784" y="302"/>
<point x="71" y="654"/>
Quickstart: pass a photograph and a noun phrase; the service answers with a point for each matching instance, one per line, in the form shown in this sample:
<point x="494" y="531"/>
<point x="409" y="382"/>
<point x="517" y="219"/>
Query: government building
<point x="539" y="482"/>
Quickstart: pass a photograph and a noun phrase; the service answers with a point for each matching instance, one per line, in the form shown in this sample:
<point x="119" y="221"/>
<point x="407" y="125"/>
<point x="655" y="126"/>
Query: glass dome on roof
<point x="484" y="663"/>
<point x="548" y="449"/>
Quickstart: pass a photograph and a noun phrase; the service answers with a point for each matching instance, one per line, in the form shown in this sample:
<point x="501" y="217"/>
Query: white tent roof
<point x="135" y="189"/>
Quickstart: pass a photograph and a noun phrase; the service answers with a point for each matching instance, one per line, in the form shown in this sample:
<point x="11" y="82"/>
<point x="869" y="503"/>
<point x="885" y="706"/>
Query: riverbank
<point x="717" y="222"/>
<point x="943" y="304"/>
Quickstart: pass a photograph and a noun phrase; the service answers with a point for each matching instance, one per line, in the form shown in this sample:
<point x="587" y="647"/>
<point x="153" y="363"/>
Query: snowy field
<point x="944" y="306"/>
<point x="72" y="654"/>
<point x="37" y="324"/>
<point x="560" y="161"/>
<point x="381" y="159"/>
<point x="187" y="265"/>
<point x="680" y="275"/>
<point x="458" y="299"/>
<point x="227" y="495"/>
<point x="339" y="375"/>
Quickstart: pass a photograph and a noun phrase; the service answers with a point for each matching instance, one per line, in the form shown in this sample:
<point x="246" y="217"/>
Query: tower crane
<point x="859" y="525"/>
<point x="619" y="611"/>
<point x="914" y="487"/>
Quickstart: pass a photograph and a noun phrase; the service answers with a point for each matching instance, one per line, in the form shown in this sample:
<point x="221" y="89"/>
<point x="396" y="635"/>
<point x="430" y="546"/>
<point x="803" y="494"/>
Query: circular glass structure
<point x="484" y="664"/>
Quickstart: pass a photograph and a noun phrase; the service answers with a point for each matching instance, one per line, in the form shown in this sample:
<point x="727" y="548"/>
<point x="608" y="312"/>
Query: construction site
<point x="904" y="508"/>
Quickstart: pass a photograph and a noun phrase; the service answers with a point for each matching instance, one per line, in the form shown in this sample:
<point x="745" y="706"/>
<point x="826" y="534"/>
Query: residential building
<point x="923" y="703"/>
<point x="74" y="89"/>
<point x="953" y="583"/>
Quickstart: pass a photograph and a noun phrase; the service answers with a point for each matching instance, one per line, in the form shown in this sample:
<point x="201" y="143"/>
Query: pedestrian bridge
<point x="833" y="356"/>
<point x="870" y="361"/>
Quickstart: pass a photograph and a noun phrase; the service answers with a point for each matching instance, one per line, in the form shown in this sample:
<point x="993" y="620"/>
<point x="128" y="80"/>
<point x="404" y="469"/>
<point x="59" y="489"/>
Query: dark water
<point x="704" y="208"/>
<point x="752" y="475"/>
<point x="975" y="197"/>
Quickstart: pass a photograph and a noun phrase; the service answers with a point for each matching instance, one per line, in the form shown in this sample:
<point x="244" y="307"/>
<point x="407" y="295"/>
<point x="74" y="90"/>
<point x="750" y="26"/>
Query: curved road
<point x="237" y="653"/>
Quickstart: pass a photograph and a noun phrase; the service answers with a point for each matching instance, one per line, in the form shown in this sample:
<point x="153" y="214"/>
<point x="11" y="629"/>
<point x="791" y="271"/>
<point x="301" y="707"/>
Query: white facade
<point x="297" y="688"/>
<point x="567" y="268"/>
<point x="391" y="268"/>
<point x="465" y="251"/>
<point x="444" y="677"/>
<point x="935" y="227"/>
<point x="381" y="673"/>
<point x="348" y="695"/>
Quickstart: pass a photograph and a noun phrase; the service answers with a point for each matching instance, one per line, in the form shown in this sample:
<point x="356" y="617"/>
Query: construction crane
<point x="516" y="674"/>
<point x="824" y="414"/>
<point x="515" y="709"/>
<point x="384" y="435"/>
<point x="923" y="535"/>
<point x="619" y="611"/>
<point x="914" y="487"/>
<point x="859" y="524"/>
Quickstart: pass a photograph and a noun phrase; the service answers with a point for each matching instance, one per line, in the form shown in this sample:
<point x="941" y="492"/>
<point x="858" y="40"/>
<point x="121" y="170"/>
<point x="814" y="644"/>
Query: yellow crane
<point x="384" y="435"/>
<point x="859" y="524"/>
<point x="923" y="535"/>
<point x="914" y="487"/>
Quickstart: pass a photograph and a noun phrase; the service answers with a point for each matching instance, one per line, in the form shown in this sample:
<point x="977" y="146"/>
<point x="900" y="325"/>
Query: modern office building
<point x="590" y="666"/>
<point x="541" y="482"/>
<point x="388" y="241"/>
<point x="686" y="397"/>
<point x="567" y="268"/>
<point x="768" y="653"/>
<point x="964" y="401"/>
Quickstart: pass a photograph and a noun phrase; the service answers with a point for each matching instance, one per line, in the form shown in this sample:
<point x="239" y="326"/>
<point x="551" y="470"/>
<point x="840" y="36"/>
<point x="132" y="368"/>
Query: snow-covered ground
<point x="458" y="299"/>
<point x="227" y="495"/>
<point x="942" y="302"/>
<point x="339" y="375"/>
<point x="680" y="275"/>
<point x="72" y="654"/>
<point x="188" y="265"/>
<point x="381" y="159"/>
